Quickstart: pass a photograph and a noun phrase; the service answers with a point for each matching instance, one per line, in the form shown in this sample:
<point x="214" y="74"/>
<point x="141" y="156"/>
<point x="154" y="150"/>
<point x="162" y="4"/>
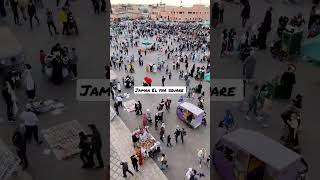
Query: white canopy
<point x="192" y="108"/>
<point x="263" y="148"/>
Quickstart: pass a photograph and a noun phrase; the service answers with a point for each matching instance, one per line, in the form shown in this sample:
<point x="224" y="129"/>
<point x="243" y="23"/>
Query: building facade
<point x="197" y="12"/>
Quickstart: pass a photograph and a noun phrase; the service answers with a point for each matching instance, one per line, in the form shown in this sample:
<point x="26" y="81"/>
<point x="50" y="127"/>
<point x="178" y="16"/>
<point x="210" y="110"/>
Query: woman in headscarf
<point x="57" y="66"/>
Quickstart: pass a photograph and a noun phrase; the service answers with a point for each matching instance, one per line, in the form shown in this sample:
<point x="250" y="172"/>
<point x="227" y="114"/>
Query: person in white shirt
<point x="29" y="83"/>
<point x="31" y="124"/>
<point x="119" y="87"/>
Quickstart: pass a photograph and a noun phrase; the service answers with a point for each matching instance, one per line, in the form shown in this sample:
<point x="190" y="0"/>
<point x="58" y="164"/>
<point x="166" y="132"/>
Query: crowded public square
<point x="45" y="46"/>
<point x="271" y="45"/>
<point x="171" y="130"/>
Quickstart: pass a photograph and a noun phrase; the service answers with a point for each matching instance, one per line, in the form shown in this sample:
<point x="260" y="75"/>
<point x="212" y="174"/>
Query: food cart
<point x="11" y="52"/>
<point x="246" y="154"/>
<point x="148" y="144"/>
<point x="190" y="114"/>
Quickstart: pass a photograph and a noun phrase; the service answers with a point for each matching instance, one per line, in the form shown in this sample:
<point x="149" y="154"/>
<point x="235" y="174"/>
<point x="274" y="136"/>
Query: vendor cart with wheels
<point x="242" y="154"/>
<point x="190" y="114"/>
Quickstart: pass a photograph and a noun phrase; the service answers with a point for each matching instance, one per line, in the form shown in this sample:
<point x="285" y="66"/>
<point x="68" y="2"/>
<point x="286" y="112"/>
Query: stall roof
<point x="262" y="147"/>
<point x="9" y="45"/>
<point x="192" y="108"/>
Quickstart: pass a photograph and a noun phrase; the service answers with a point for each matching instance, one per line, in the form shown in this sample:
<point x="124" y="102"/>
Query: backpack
<point x="177" y="132"/>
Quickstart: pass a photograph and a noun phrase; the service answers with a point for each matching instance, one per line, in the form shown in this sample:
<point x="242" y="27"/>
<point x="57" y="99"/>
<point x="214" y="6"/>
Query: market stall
<point x="145" y="142"/>
<point x="190" y="114"/>
<point x="242" y="154"/>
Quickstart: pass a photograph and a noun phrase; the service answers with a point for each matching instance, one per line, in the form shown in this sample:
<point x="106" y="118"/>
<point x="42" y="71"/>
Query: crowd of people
<point x="29" y="10"/>
<point x="55" y="63"/>
<point x="260" y="97"/>
<point x="175" y="46"/>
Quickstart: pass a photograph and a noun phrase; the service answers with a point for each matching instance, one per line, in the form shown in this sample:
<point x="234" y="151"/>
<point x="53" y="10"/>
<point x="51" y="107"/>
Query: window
<point x="194" y="12"/>
<point x="189" y="12"/>
<point x="180" y="12"/>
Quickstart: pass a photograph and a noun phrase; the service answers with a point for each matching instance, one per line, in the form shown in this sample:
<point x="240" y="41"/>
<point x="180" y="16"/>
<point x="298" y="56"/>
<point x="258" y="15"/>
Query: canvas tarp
<point x="192" y="108"/>
<point x="276" y="156"/>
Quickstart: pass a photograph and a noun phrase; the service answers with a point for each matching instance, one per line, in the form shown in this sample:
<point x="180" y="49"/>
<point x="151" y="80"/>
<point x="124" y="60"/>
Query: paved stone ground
<point x="122" y="149"/>
<point x="180" y="156"/>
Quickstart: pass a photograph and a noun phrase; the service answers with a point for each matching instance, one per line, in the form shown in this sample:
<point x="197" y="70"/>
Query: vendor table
<point x="147" y="142"/>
